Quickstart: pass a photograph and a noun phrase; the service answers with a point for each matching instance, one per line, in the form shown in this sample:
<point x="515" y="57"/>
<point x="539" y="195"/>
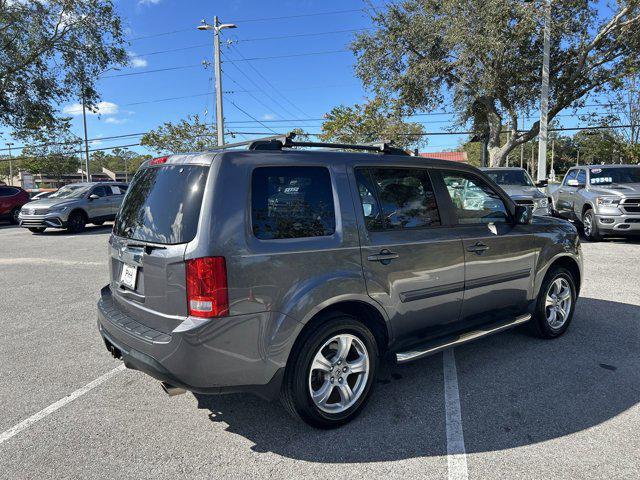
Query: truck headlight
<point x="542" y="202"/>
<point x="608" y="201"/>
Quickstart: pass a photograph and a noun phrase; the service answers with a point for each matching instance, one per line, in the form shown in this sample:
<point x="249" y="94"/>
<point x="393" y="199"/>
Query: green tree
<point x="370" y="122"/>
<point x="188" y="135"/>
<point x="484" y="58"/>
<point x="52" y="51"/>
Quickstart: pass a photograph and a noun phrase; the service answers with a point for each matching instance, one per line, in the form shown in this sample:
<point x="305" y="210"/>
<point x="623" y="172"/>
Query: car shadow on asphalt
<point x="89" y="230"/>
<point x="515" y="390"/>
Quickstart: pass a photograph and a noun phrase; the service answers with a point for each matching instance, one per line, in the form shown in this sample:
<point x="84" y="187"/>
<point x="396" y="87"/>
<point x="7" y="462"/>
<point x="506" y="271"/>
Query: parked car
<point x="602" y="199"/>
<point x="520" y="187"/>
<point x="11" y="200"/>
<point x="73" y="206"/>
<point x="290" y="273"/>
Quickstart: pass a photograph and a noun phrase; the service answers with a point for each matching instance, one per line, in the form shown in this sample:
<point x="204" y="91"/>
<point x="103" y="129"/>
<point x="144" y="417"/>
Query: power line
<point x="252" y="117"/>
<point x="297" y="35"/>
<point x="291" y="55"/>
<point x="152" y="71"/>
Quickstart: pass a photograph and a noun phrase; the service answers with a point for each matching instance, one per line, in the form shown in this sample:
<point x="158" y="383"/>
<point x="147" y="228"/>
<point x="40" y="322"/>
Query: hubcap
<point x="339" y="373"/>
<point x="558" y="303"/>
<point x="587" y="225"/>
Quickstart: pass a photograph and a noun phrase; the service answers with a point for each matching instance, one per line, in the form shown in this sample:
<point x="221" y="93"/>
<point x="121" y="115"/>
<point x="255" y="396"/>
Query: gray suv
<point x="291" y="273"/>
<point x="603" y="199"/>
<point x="73" y="206"/>
<point x="519" y="186"/>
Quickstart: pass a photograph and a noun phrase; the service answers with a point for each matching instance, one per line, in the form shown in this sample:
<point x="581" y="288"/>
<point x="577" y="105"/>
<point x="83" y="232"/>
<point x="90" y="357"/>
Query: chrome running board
<point x="439" y="345"/>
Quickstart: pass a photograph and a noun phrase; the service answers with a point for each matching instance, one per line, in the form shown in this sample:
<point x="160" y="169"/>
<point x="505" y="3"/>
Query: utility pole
<point x="216" y="27"/>
<point x="521" y="155"/>
<point x="544" y="95"/>
<point x="86" y="141"/>
<point x="578" y="158"/>
<point x="9" y="144"/>
<point x="552" y="173"/>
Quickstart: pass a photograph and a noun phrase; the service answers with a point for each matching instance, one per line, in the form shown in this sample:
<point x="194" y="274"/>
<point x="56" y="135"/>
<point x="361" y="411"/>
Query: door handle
<point x="384" y="257"/>
<point x="478" y="248"/>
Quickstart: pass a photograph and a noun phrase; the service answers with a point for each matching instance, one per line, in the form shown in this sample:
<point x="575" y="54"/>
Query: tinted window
<point x="571" y="175"/>
<point x="581" y="177"/>
<point x="8" y="191"/>
<point x="474" y="201"/>
<point x="163" y="204"/>
<point x="405" y="198"/>
<point x="292" y="202"/>
<point x="510" y="177"/>
<point x="100" y="191"/>
<point x="610" y="175"/>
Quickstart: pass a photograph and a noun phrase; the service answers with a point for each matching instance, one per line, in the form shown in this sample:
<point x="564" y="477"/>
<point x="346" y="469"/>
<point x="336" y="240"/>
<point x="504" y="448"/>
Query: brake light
<point x="159" y="160"/>
<point x="207" y="287"/>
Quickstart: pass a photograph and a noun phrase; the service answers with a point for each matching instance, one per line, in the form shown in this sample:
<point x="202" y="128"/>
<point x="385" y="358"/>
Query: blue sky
<point x="163" y="35"/>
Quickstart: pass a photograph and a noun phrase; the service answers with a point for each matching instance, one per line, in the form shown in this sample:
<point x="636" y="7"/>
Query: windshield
<point x="510" y="177"/>
<point x="71" y="191"/>
<point x="601" y="176"/>
<point x="163" y="204"/>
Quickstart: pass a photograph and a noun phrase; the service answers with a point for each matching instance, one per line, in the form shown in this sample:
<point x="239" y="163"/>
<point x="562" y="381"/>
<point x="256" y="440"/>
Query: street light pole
<point x="9" y="144"/>
<point x="216" y="27"/>
<point x="544" y="95"/>
<point x="86" y="141"/>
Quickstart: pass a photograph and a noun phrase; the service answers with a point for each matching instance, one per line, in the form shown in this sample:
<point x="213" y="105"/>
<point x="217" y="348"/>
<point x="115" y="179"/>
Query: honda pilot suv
<point x="291" y="273"/>
<point x="603" y="199"/>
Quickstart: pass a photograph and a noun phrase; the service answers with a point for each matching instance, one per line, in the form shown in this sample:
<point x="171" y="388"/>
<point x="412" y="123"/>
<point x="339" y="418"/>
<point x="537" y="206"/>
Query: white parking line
<point x="6" y="435"/>
<point x="40" y="261"/>
<point x="456" y="454"/>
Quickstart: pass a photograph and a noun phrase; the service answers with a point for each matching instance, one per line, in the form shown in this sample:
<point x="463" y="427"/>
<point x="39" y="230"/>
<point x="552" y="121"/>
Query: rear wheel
<point x="37" y="229"/>
<point x="13" y="218"/>
<point x="590" y="226"/>
<point x="555" y="304"/>
<point x="331" y="372"/>
<point x="76" y="223"/>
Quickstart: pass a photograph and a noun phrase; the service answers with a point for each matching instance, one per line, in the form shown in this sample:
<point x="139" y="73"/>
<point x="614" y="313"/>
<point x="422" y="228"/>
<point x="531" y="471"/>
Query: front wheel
<point x="590" y="227"/>
<point x="331" y="372"/>
<point x="555" y="305"/>
<point x="76" y="222"/>
<point x="13" y="218"/>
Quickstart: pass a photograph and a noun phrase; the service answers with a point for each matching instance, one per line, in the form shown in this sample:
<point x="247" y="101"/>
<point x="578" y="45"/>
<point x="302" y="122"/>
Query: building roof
<point x="451" y="156"/>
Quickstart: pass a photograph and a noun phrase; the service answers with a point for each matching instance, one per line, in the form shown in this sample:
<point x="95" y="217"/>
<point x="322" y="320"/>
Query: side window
<point x="571" y="175"/>
<point x="474" y="201"/>
<point x="100" y="191"/>
<point x="405" y="196"/>
<point x="292" y="202"/>
<point x="581" y="177"/>
<point x="8" y="191"/>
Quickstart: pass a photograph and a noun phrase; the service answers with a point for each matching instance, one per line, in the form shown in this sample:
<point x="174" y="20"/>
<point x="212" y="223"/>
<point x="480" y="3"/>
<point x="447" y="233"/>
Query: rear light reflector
<point x="159" y="160"/>
<point x="207" y="294"/>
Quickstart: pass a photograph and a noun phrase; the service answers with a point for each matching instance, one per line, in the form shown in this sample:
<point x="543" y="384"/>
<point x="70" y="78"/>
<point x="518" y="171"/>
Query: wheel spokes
<point x="358" y="365"/>
<point x="321" y="395"/>
<point x="344" y="345"/>
<point x="346" y="394"/>
<point x="320" y="362"/>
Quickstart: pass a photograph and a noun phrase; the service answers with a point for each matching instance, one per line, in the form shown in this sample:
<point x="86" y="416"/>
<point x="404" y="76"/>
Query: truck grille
<point x="630" y="205"/>
<point x="35" y="211"/>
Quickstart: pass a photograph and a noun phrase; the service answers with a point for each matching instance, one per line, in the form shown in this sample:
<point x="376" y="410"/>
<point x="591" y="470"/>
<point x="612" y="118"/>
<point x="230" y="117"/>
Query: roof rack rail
<point x="279" y="142"/>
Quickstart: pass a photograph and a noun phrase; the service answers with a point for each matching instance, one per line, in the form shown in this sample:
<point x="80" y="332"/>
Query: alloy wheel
<point x="587" y="225"/>
<point x="558" y="303"/>
<point x="339" y="373"/>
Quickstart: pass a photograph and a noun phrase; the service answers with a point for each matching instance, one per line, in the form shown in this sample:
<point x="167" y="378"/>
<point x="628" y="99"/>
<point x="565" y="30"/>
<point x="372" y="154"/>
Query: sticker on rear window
<point x="596" y="170"/>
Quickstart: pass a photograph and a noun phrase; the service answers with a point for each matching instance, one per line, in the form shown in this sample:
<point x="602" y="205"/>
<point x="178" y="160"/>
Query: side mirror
<point x="542" y="183"/>
<point x="524" y="214"/>
<point x="574" y="183"/>
<point x="93" y="196"/>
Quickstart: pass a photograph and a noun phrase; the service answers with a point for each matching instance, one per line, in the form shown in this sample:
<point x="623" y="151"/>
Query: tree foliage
<point x="188" y="135"/>
<point x="55" y="151"/>
<point x="117" y="160"/>
<point x="52" y="51"/>
<point x="370" y="122"/>
<point x="483" y="58"/>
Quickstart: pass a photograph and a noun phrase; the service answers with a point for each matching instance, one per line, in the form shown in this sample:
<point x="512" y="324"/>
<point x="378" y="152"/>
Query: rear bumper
<point x="227" y="355"/>
<point x="618" y="224"/>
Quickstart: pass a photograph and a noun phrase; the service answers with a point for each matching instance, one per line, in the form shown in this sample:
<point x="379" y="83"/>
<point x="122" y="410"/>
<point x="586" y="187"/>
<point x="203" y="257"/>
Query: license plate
<point x="128" y="276"/>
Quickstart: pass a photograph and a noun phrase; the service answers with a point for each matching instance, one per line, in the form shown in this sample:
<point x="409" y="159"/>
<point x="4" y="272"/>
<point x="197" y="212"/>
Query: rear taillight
<point x="207" y="287"/>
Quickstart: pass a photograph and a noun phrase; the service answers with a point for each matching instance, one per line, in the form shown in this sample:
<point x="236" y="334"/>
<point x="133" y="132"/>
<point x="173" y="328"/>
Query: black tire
<point x="539" y="325"/>
<point x="296" y="395"/>
<point x="98" y="223"/>
<point x="77" y="222"/>
<point x="37" y="229"/>
<point x="13" y="216"/>
<point x="590" y="227"/>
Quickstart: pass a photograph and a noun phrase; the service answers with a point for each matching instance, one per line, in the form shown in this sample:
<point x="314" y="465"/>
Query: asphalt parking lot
<point x="509" y="406"/>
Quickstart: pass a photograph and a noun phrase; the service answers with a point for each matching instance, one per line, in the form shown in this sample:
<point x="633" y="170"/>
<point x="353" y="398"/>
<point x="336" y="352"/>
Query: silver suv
<point x="290" y="273"/>
<point x="73" y="206"/>
<point x="520" y="187"/>
<point x="604" y="199"/>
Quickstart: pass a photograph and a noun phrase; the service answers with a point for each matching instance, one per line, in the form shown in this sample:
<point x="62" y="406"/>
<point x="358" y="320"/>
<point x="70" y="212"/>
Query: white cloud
<point x="148" y="2"/>
<point x="268" y="116"/>
<point x="102" y="108"/>
<point x="136" y="61"/>
<point x="116" y="121"/>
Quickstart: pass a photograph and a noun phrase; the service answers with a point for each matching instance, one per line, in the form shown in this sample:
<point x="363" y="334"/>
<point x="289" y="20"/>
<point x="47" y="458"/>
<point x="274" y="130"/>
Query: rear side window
<point x="8" y="191"/>
<point x="397" y="198"/>
<point x="292" y="202"/>
<point x="163" y="204"/>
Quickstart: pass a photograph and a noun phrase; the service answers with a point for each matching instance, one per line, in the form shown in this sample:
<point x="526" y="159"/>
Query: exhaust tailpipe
<point x="171" y="390"/>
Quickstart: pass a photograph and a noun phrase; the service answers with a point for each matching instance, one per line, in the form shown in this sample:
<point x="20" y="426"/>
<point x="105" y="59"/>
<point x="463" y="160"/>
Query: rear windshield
<point x="163" y="204"/>
<point x="518" y="178"/>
